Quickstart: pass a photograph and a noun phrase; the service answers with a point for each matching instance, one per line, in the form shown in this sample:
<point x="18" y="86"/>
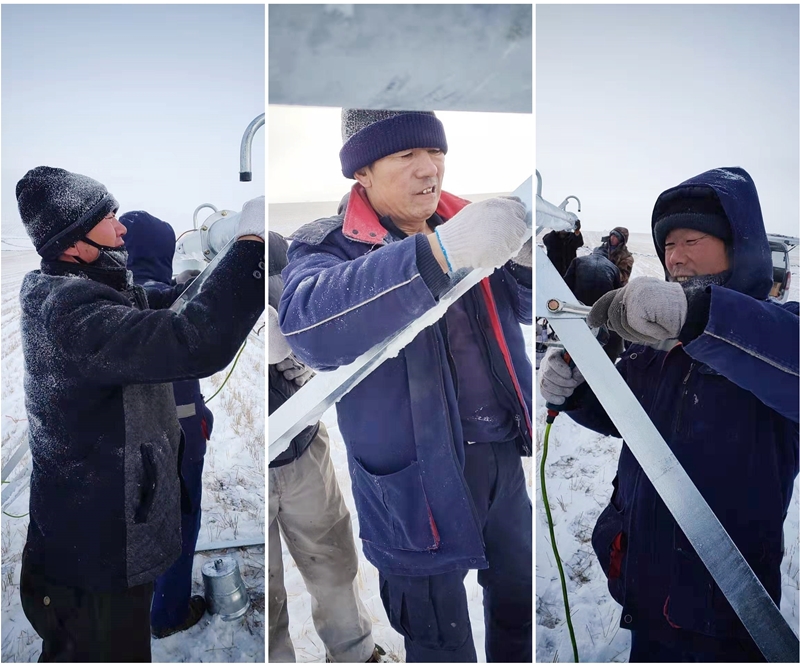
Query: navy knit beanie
<point x="58" y="208"/>
<point x="693" y="207"/>
<point x="369" y="135"/>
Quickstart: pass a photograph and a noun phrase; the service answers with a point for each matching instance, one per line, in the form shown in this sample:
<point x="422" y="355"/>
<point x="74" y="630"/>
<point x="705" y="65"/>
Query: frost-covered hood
<point x="736" y="191"/>
<point x="151" y="246"/>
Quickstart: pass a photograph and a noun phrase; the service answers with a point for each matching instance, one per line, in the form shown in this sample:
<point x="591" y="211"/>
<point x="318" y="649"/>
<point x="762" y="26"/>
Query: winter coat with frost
<point x="151" y="248"/>
<point x="350" y="284"/>
<point x="726" y="403"/>
<point x="104" y="435"/>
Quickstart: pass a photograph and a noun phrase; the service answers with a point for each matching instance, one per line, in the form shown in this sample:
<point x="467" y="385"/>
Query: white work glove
<point x="278" y="347"/>
<point x="485" y="234"/>
<point x="557" y="381"/>
<point x="647" y="310"/>
<point x="251" y="219"/>
<point x="295" y="371"/>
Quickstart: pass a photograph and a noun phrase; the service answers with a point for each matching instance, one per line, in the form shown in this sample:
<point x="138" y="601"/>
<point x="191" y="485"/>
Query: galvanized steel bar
<point x="768" y="628"/>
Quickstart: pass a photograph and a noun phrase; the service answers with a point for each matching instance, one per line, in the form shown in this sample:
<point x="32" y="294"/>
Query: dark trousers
<point x="431" y="611"/>
<point x="173" y="588"/>
<point x="78" y="625"/>
<point x="684" y="646"/>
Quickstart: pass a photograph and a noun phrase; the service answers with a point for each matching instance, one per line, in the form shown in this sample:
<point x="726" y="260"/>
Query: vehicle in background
<point x="780" y="246"/>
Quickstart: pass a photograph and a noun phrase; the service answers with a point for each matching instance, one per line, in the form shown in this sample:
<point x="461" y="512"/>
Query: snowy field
<point x="580" y="467"/>
<point x="285" y="218"/>
<point x="233" y="497"/>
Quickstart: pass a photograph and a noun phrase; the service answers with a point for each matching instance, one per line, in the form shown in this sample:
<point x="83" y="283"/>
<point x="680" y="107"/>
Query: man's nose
<point x="426" y="166"/>
<point x="121" y="228"/>
<point x="676" y="257"/>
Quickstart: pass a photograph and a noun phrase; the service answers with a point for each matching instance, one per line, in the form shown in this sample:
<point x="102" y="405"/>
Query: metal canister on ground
<point x="226" y="594"/>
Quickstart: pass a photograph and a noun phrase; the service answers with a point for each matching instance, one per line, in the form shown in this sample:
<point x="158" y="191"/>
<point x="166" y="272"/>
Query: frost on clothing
<point x="401" y="424"/>
<point x="726" y="403"/>
<point x="104" y="434"/>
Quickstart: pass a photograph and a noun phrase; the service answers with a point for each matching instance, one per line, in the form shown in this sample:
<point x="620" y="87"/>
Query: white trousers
<point x="307" y="508"/>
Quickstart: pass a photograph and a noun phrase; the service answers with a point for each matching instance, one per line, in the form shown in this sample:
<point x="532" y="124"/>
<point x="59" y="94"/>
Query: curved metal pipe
<point x="563" y="204"/>
<point x="245" y="167"/>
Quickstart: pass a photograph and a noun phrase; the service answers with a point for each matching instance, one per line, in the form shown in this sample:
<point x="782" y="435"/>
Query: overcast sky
<point x="151" y="100"/>
<point x="487" y="152"/>
<point x="632" y="100"/>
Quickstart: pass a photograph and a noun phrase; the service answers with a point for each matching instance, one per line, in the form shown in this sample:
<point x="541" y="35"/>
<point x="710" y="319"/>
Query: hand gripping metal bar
<point x="745" y="593"/>
<point x="327" y="388"/>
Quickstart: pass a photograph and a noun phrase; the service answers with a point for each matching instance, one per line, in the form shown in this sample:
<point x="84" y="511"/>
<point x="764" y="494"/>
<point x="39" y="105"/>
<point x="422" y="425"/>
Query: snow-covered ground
<point x="285" y="218"/>
<point x="580" y="467"/>
<point x="233" y="496"/>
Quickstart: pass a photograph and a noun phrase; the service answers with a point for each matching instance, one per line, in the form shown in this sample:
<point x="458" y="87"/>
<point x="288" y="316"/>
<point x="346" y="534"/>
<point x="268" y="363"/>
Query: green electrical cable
<point x="555" y="547"/>
<point x="225" y="381"/>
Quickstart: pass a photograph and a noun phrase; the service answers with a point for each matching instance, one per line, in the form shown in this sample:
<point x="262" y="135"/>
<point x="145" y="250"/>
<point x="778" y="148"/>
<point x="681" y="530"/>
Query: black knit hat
<point x="59" y="208"/>
<point x="692" y="207"/>
<point x="369" y="135"/>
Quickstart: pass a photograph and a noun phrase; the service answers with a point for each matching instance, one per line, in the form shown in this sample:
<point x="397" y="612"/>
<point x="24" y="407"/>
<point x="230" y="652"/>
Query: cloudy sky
<point x="632" y="100"/>
<point x="487" y="152"/>
<point x="151" y="100"/>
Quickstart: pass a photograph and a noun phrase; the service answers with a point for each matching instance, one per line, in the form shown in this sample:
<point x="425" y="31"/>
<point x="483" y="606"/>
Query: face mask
<point x="109" y="257"/>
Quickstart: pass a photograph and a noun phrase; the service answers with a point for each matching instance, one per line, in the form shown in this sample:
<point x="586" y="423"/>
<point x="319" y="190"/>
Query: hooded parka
<point x="726" y="403"/>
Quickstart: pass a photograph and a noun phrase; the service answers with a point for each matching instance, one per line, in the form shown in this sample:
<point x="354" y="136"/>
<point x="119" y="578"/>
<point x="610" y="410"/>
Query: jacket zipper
<point x="509" y="393"/>
<point x="450" y="360"/>
<point x="683" y="397"/>
<point x="458" y="465"/>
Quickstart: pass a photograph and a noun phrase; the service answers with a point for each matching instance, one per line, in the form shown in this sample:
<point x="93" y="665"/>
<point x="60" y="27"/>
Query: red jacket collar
<point x="361" y="222"/>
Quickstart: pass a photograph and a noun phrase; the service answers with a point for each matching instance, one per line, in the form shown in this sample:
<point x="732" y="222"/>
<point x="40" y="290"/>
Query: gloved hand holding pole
<point x="482" y="235"/>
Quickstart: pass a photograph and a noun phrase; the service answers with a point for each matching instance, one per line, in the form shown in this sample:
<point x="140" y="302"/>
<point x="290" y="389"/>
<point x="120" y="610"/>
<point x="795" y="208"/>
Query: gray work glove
<point x="557" y="381"/>
<point x="483" y="234"/>
<point x="647" y="311"/>
<point x="278" y="347"/>
<point x="185" y="276"/>
<point x="525" y="255"/>
<point x="295" y="371"/>
<point x="251" y="219"/>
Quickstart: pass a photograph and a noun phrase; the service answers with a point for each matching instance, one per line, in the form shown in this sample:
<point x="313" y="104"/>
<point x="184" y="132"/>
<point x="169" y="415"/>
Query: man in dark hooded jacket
<point x="151" y="247"/>
<point x="106" y="496"/>
<point x="725" y="399"/>
<point x="434" y="435"/>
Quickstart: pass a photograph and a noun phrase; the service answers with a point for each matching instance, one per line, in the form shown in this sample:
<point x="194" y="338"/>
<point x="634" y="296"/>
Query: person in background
<point x="562" y="247"/>
<point x="151" y="246"/>
<point x="307" y="508"/>
<point x="615" y="247"/>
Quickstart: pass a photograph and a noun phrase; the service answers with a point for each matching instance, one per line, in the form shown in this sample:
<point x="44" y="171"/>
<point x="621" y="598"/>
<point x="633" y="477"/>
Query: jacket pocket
<point x="393" y="510"/>
<point x="149" y="484"/>
<point x="695" y="603"/>
<point x="610" y="543"/>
